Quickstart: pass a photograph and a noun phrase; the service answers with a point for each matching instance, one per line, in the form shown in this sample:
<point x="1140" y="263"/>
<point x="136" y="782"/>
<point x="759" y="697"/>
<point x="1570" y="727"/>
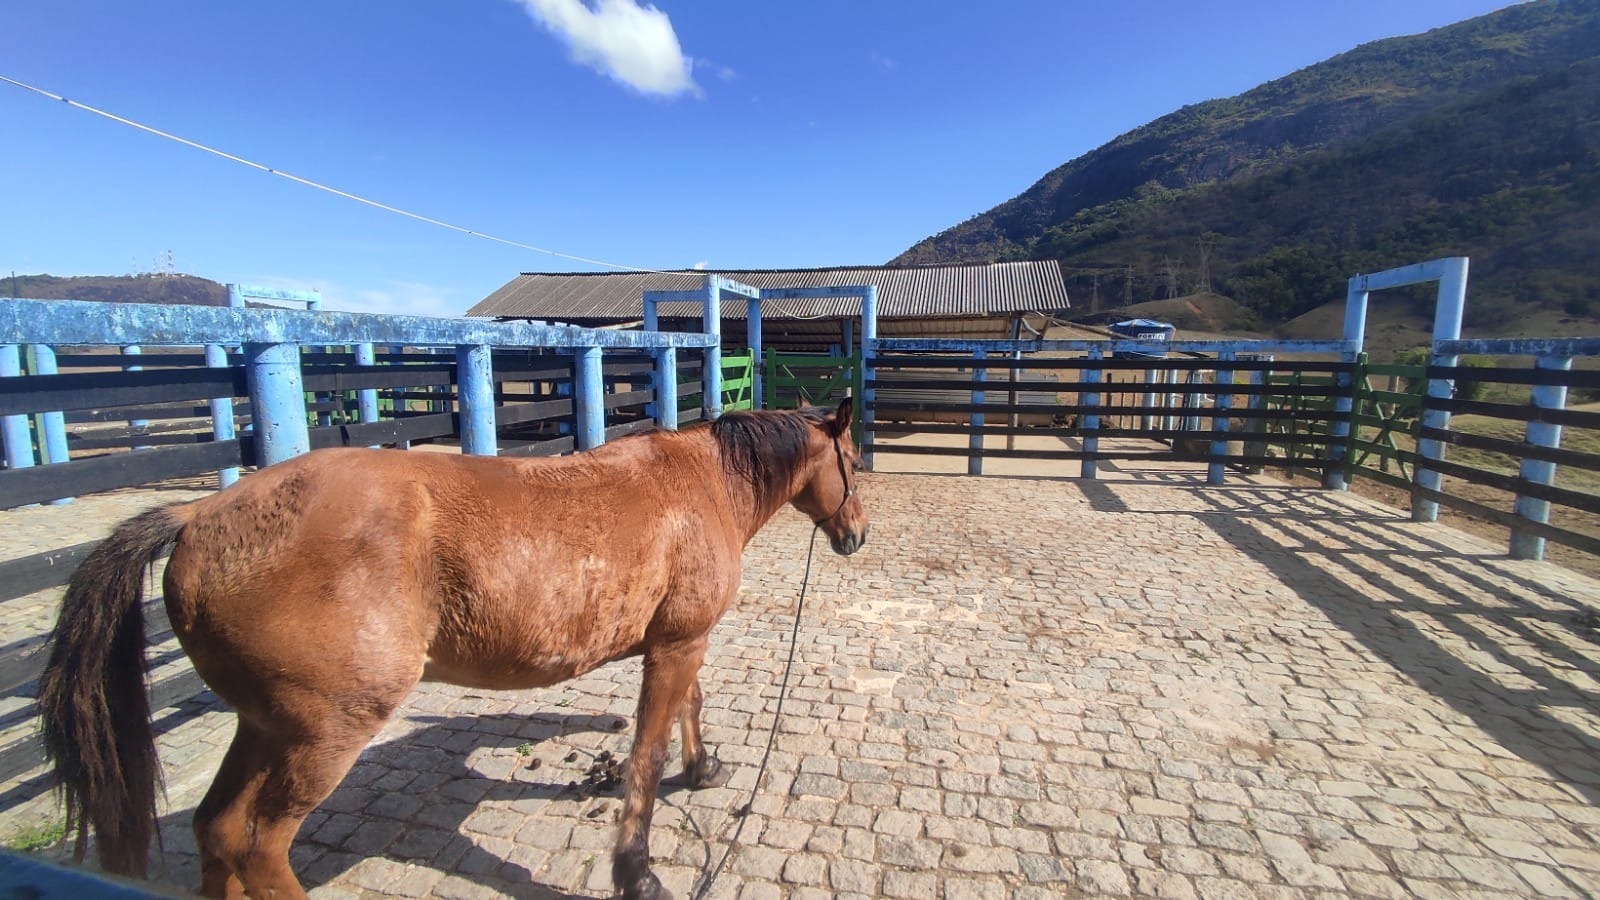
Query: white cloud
<point x="700" y="266"/>
<point x="884" y="62"/>
<point x="625" y="40"/>
<point x="403" y="298"/>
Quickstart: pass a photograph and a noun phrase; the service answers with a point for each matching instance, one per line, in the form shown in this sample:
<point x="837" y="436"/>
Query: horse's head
<point x="829" y="496"/>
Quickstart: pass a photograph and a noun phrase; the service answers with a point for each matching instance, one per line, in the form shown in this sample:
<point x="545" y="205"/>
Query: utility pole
<point x="1206" y="241"/>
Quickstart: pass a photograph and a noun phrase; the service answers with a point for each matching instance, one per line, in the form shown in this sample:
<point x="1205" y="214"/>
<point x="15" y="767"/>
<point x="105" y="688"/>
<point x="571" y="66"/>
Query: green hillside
<point x="1480" y="139"/>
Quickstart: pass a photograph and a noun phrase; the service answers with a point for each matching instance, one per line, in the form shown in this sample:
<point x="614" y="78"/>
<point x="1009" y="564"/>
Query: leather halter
<point x="849" y="484"/>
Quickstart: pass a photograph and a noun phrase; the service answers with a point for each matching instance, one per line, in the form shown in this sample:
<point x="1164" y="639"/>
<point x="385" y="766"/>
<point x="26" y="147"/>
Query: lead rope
<point x="743" y="813"/>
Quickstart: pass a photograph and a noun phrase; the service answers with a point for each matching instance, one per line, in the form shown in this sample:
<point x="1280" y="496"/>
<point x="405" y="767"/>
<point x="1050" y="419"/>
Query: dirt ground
<point x="889" y="461"/>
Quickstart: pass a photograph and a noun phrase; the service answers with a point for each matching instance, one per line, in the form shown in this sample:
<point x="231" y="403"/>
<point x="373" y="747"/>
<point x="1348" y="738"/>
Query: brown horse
<point x="315" y="594"/>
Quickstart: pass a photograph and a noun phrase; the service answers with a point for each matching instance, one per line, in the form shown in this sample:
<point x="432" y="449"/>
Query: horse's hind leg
<point x="300" y="774"/>
<point x="669" y="674"/>
<point x="700" y="766"/>
<point x="221" y="819"/>
<point x="268" y="784"/>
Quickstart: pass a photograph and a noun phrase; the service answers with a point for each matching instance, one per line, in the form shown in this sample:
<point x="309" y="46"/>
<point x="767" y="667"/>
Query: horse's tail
<point x="93" y="702"/>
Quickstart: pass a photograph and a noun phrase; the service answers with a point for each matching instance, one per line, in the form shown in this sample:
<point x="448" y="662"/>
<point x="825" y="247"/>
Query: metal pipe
<point x="589" y="397"/>
<point x="14" y="433"/>
<point x="711" y="372"/>
<point x="980" y="374"/>
<point x="753" y="333"/>
<point x="1525" y="545"/>
<point x="277" y="402"/>
<point x="222" y="425"/>
<point x="1448" y="311"/>
<point x="1091" y="421"/>
<point x="475" y="391"/>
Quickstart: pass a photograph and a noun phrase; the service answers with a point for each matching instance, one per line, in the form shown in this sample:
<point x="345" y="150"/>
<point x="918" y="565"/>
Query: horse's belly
<point x="505" y="646"/>
<point x="507" y="675"/>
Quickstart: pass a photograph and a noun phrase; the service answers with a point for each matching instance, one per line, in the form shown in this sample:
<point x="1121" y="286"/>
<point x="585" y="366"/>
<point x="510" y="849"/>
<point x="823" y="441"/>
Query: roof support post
<point x="277" y="402"/>
<point x="475" y="388"/>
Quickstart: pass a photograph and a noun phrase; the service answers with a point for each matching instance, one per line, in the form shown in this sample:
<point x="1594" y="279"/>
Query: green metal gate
<point x="789" y="379"/>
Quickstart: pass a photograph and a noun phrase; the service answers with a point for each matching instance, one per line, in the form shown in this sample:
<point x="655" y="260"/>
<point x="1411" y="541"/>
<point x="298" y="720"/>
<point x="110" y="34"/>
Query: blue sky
<point x="726" y="133"/>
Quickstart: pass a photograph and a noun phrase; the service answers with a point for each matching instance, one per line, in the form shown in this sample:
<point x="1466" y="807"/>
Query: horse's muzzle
<point x="850" y="541"/>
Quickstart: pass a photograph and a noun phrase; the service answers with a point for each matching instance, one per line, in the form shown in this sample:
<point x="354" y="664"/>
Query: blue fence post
<point x="980" y="375"/>
<point x="664" y="377"/>
<point x="14" y="432"/>
<point x="221" y="413"/>
<point x="711" y="374"/>
<point x="277" y="402"/>
<point x="1091" y="420"/>
<point x="589" y="397"/>
<point x="753" y="333"/>
<point x="1355" y="331"/>
<point x="1217" y="471"/>
<point x="367" y="398"/>
<point x="1447" y="316"/>
<point x="135" y="350"/>
<point x="867" y="407"/>
<point x="475" y="391"/>
<point x="1524" y="544"/>
<point x="222" y="422"/>
<point x="52" y="424"/>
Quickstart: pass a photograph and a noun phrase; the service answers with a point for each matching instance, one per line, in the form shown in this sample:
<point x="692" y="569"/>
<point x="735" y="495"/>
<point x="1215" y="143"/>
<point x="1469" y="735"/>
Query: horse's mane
<point x="764" y="448"/>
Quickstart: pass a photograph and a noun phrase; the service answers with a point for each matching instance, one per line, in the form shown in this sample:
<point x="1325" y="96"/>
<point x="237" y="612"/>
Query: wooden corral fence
<point x="1508" y="451"/>
<point x="1272" y="404"/>
<point x="1190" y="406"/>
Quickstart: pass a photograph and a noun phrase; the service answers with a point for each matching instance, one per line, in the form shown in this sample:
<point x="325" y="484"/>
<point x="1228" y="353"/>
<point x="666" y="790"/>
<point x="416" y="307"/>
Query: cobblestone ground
<point x="1022" y="687"/>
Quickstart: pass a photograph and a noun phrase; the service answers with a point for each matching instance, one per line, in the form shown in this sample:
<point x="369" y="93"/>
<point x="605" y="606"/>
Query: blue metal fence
<point x="272" y="374"/>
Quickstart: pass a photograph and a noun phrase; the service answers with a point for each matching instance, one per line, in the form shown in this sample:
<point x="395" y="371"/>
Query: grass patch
<point x="41" y="836"/>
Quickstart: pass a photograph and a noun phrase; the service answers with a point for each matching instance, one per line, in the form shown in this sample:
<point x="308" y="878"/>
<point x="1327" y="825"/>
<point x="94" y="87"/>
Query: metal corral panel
<point x="984" y="289"/>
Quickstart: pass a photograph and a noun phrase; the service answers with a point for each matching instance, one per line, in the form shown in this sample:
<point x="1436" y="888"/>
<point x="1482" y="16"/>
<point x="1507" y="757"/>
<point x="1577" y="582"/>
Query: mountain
<point x="1479" y="139"/>
<point x="147" y="288"/>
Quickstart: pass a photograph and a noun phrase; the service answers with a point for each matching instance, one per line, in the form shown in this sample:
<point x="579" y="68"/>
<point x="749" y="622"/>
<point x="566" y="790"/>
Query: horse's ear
<point x="843" y="415"/>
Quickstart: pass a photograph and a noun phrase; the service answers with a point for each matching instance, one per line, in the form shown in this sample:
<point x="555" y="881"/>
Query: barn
<point x="983" y="300"/>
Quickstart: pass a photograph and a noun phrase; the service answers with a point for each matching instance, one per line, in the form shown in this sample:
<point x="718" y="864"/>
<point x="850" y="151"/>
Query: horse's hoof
<point x="705" y="773"/>
<point x="646" y="888"/>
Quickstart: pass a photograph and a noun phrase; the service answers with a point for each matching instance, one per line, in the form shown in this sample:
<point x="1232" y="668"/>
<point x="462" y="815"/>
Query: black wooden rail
<point x="1262" y="419"/>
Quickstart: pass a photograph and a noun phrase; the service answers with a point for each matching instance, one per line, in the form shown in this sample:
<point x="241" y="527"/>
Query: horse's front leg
<point x="669" y="674"/>
<point x="700" y="766"/>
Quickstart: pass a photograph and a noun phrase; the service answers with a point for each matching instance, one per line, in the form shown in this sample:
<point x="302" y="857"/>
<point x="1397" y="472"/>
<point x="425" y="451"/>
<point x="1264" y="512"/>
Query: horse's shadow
<point x="408" y="800"/>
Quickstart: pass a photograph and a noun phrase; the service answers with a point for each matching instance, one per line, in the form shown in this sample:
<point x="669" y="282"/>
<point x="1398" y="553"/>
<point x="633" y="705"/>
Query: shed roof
<point x="982" y="289"/>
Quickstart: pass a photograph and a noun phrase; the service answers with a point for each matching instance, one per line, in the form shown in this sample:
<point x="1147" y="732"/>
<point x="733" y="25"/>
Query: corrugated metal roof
<point x="903" y="293"/>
